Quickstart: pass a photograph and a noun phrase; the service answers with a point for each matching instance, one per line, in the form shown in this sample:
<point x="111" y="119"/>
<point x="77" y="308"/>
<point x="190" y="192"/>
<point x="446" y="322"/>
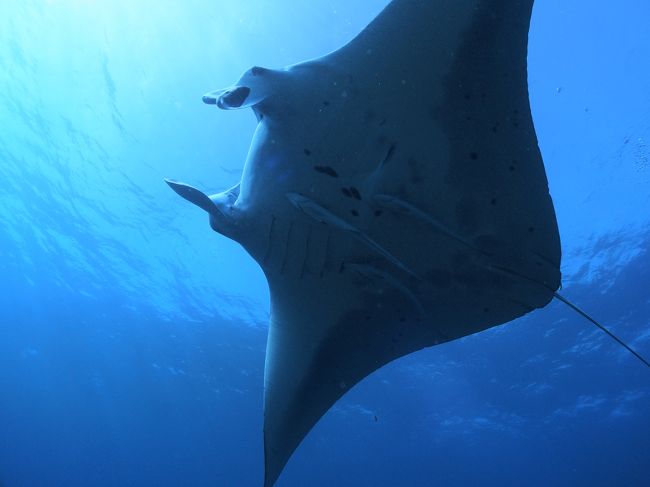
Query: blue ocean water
<point x="132" y="337"/>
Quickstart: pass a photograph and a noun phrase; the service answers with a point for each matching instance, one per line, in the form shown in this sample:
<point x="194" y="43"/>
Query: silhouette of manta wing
<point x="425" y="207"/>
<point x="394" y="196"/>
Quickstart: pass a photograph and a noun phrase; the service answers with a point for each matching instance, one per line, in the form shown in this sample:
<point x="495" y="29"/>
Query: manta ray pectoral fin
<point x="498" y="257"/>
<point x="221" y="220"/>
<point x="377" y="276"/>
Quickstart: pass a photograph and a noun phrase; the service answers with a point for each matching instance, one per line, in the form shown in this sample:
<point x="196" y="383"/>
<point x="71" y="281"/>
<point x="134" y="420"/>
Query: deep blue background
<point x="132" y="337"/>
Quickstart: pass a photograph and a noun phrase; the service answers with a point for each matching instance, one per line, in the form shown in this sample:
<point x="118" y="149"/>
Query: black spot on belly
<point x="326" y="103"/>
<point x="307" y="152"/>
<point x="354" y="212"/>
<point x="473" y="156"/>
<point x="351" y="192"/>
<point x="378" y="212"/>
<point x="326" y="170"/>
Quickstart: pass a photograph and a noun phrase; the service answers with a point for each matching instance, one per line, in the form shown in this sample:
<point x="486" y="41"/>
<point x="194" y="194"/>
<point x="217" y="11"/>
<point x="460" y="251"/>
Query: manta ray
<point x="395" y="198"/>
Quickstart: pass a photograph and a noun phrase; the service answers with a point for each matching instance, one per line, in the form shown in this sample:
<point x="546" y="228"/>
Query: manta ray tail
<point x="575" y="308"/>
<point x="582" y="313"/>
